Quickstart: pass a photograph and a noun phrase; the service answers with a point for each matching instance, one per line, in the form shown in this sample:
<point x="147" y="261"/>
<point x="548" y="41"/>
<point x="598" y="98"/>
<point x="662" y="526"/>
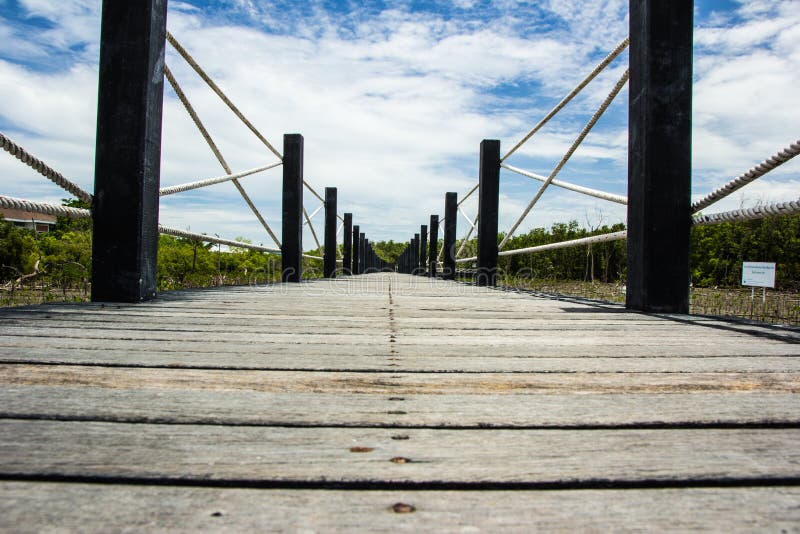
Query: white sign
<point x="758" y="273"/>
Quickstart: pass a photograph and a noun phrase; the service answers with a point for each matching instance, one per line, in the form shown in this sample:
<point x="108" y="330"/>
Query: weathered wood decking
<point x="339" y="405"/>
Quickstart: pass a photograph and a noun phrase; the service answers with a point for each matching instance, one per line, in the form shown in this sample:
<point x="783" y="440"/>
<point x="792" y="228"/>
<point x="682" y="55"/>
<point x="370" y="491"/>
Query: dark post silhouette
<point x="347" y="252"/>
<point x="449" y="252"/>
<point x="329" y="258"/>
<point x="292" y="234"/>
<point x="356" y="249"/>
<point x="488" y="199"/>
<point x="423" y="249"/>
<point x="434" y="245"/>
<point x="659" y="155"/>
<point x="128" y="151"/>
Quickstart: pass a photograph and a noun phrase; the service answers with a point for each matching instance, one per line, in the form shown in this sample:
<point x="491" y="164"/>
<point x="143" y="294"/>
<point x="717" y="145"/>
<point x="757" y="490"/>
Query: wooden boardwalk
<point x="388" y="403"/>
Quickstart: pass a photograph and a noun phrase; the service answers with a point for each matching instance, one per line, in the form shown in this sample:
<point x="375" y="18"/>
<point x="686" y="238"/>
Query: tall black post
<point x="415" y="254"/>
<point x="329" y="257"/>
<point x="356" y="249"/>
<point x="128" y="151"/>
<point x="434" y="245"/>
<point x="423" y="249"/>
<point x="362" y="253"/>
<point x="347" y="252"/>
<point x="659" y="155"/>
<point x="449" y="252"/>
<point x="488" y="199"/>
<point x="292" y="231"/>
<point x="367" y="256"/>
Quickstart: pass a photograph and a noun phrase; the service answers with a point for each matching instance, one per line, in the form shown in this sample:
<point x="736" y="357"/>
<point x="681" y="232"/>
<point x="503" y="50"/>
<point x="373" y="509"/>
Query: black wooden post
<point x="434" y="245"/>
<point x="356" y="248"/>
<point x="449" y="252"/>
<point x="423" y="249"/>
<point x="362" y="253"/>
<point x="367" y="256"/>
<point x="415" y="263"/>
<point x="347" y="252"/>
<point x="659" y="155"/>
<point x="488" y="199"/>
<point x="292" y="227"/>
<point x="329" y="257"/>
<point x="128" y="151"/>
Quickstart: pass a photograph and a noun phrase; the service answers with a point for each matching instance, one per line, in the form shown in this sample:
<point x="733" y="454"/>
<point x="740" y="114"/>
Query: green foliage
<point x="388" y="251"/>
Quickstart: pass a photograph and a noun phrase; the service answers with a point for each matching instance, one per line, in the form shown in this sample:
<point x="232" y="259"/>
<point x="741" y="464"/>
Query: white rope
<point x="308" y="186"/>
<point x="597" y="70"/>
<point x="43" y="168"/>
<point x="309" y="256"/>
<point x="312" y="215"/>
<point x="599" y="113"/>
<point x="469" y="221"/>
<point x="756" y="172"/>
<point x="468" y="194"/>
<point x="196" y="119"/>
<point x="12" y="203"/>
<point x="210" y="239"/>
<point x="619" y="199"/>
<point x="171" y="190"/>
<point x="313" y="232"/>
<point x="759" y="212"/>
<point x="190" y="60"/>
<point x="469" y="234"/>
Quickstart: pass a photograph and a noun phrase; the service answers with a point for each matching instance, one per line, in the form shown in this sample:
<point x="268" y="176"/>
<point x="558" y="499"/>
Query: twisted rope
<point x="210" y="239"/>
<point x="196" y="119"/>
<point x="211" y="181"/>
<point x="748" y="214"/>
<point x="586" y="129"/>
<point x="313" y="232"/>
<point x="43" y="168"/>
<point x="592" y="75"/>
<point x="41" y="207"/>
<point x="472" y="227"/>
<point x="753" y="174"/>
<point x="214" y="87"/>
<point x="619" y="199"/>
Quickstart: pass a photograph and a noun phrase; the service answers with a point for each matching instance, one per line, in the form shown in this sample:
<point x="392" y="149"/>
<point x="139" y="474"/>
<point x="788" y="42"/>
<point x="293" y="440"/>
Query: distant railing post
<point x="329" y="258"/>
<point x="449" y="252"/>
<point x="362" y="253"/>
<point x="128" y="151"/>
<point x="347" y="252"/>
<point x="356" y="249"/>
<point x="433" y="250"/>
<point x="423" y="249"/>
<point x="292" y="229"/>
<point x="488" y="199"/>
<point x="367" y="256"/>
<point x="415" y="247"/>
<point x="659" y="155"/>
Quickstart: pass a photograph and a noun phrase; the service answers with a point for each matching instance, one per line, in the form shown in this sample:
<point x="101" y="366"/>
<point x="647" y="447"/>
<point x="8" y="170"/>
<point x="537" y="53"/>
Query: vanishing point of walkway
<point x="392" y="402"/>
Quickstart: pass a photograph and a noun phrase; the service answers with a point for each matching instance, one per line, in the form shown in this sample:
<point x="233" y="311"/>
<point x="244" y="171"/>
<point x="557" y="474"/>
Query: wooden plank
<point x="266" y="455"/>
<point x="398" y="382"/>
<point x="109" y="507"/>
<point x="394" y="409"/>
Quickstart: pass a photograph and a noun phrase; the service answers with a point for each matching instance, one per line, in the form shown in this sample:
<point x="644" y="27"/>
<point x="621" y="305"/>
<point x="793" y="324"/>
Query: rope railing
<point x="599" y="113"/>
<point x="212" y="239"/>
<point x="748" y="214"/>
<point x="619" y="199"/>
<point x="753" y="174"/>
<point x="43" y="208"/>
<point x="44" y="169"/>
<point x="591" y="76"/>
<point x="214" y="87"/>
<point x="171" y="190"/>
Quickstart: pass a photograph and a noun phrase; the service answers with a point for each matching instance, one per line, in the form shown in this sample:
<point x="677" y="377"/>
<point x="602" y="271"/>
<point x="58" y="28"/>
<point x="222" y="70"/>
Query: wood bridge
<point x="391" y="402"/>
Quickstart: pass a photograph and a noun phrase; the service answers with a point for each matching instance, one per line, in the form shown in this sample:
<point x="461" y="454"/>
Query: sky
<point x="393" y="99"/>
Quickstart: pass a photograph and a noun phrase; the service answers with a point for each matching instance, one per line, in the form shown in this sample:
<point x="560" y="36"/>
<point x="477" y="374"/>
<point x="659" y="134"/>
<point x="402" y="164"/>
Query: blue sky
<point x="393" y="99"/>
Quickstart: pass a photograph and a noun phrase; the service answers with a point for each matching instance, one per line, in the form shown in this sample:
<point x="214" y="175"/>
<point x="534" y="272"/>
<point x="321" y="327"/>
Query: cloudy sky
<point x="393" y="99"/>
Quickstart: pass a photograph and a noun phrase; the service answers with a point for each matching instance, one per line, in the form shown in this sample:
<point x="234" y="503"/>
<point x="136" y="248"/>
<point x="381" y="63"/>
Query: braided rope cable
<point x="464" y="241"/>
<point x="592" y="75"/>
<point x="469" y="221"/>
<point x="196" y="119"/>
<point x="43" y="168"/>
<point x="586" y="129"/>
<point x="469" y="194"/>
<point x="313" y="232"/>
<point x="214" y="87"/>
<point x="211" y="181"/>
<point x="748" y="214"/>
<point x="314" y="213"/>
<point x="210" y="239"/>
<point x="753" y="174"/>
<point x="619" y="199"/>
<point x="12" y="203"/>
